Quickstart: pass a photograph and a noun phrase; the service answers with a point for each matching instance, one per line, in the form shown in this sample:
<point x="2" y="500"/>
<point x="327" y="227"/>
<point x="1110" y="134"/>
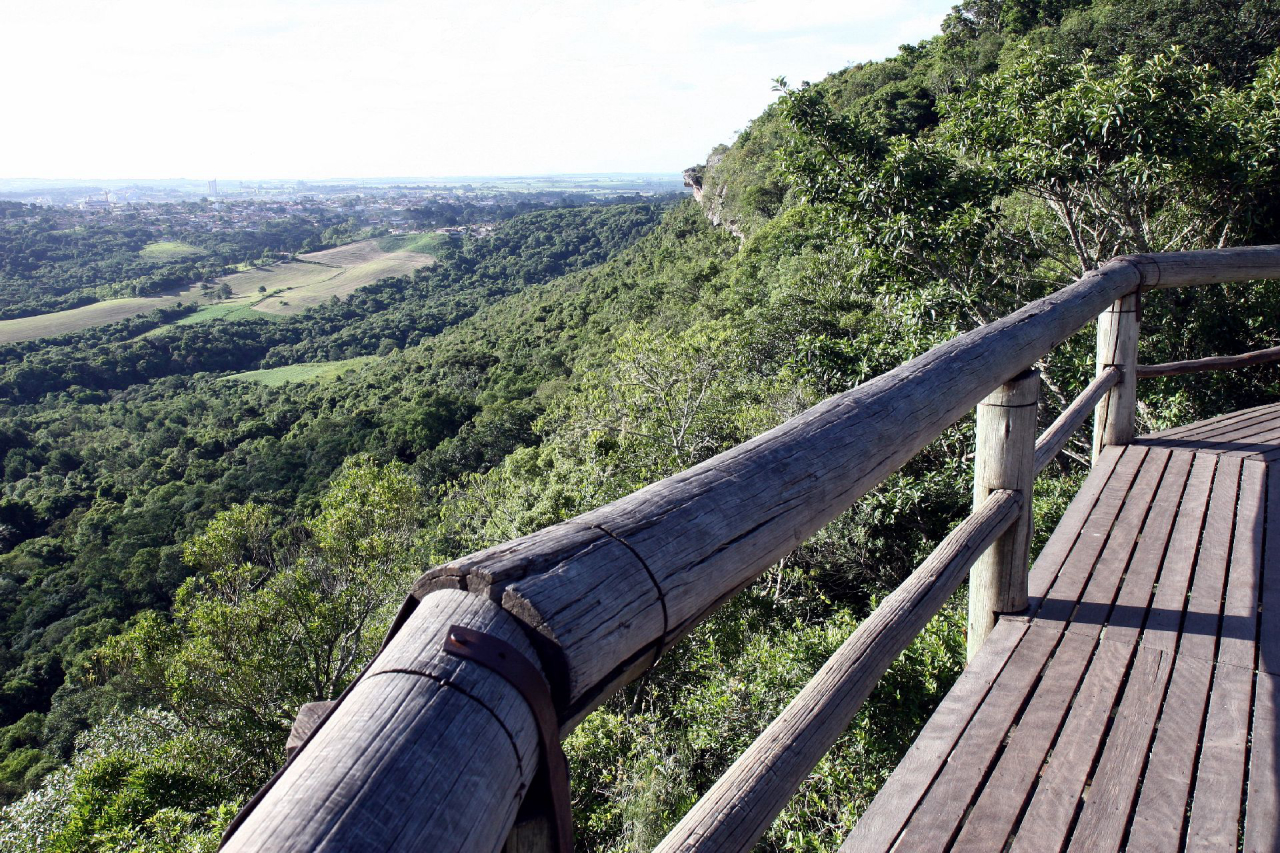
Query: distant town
<point x="395" y="206"/>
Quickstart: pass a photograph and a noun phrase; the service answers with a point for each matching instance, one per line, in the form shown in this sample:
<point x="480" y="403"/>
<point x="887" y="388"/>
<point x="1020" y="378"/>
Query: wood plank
<point x="1223" y="419"/>
<point x="1238" y="633"/>
<point x="892" y="808"/>
<point x="1195" y="435"/>
<point x="1109" y="568"/>
<point x="941" y="809"/>
<point x="1003" y="795"/>
<point x="1254" y="432"/>
<point x="1063" y="539"/>
<point x="1124" y="623"/>
<point x="1164" y="620"/>
<point x="1200" y="625"/>
<point x="1166" y="787"/>
<point x="1059" y="602"/>
<point x="1211" y="426"/>
<point x="1261" y="826"/>
<point x="1268" y="457"/>
<point x="1269" y="624"/>
<point x="1258" y="443"/>
<point x="1105" y="815"/>
<point x="1053" y="805"/>
<point x="1219" y="788"/>
<point x="1161" y="810"/>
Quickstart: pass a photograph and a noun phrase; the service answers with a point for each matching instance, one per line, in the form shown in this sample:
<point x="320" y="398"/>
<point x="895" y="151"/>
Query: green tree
<point x="271" y="621"/>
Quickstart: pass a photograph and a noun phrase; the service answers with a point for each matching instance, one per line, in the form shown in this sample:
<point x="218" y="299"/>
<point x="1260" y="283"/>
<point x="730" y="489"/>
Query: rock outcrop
<point x="710" y="194"/>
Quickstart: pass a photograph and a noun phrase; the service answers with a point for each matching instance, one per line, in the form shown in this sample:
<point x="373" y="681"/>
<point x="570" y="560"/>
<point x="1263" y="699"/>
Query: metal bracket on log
<point x="507" y="661"/>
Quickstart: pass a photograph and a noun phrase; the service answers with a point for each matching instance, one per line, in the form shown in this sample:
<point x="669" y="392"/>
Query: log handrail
<point x="1215" y="362"/>
<point x="743" y="803"/>
<point x="431" y="752"/>
<point x="1054" y="439"/>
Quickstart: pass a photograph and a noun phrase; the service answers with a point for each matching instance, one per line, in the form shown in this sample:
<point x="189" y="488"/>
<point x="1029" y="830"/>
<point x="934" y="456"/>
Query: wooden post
<point x="1005" y="460"/>
<point x="1117" y="347"/>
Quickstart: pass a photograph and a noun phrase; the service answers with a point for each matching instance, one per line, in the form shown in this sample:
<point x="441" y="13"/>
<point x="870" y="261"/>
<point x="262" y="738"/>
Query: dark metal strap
<point x="506" y="660"/>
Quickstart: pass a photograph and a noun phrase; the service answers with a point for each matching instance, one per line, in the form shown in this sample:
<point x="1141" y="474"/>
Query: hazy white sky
<point x="378" y="88"/>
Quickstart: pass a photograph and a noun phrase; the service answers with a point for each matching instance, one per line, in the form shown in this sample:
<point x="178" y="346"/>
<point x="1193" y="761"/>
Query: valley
<point x="280" y="288"/>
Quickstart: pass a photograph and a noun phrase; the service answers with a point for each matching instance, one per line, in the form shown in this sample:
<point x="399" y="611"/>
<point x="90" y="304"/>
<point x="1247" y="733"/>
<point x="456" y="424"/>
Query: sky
<point x="315" y="89"/>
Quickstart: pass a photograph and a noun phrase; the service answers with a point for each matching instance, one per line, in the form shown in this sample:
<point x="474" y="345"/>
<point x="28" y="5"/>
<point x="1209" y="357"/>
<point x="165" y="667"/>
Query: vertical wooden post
<point x="1005" y="460"/>
<point x="1113" y="419"/>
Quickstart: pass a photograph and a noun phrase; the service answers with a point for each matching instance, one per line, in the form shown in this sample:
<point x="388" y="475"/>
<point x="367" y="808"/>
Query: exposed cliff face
<point x="693" y="180"/>
<point x="711" y="194"/>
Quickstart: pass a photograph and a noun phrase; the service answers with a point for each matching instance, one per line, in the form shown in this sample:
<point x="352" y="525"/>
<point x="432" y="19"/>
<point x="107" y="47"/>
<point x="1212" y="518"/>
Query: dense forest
<point x="189" y="555"/>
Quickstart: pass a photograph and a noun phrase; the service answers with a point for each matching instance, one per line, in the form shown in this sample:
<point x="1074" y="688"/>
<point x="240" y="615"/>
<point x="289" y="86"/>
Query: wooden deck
<point x="1134" y="706"/>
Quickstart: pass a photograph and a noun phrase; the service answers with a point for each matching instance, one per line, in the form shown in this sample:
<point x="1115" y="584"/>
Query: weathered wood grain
<point x="1067" y="535"/>
<point x="1054" y="439"/>
<point x="1208" y="266"/>
<point x="1204" y="605"/>
<point x="1166" y="787"/>
<point x="1053" y="806"/>
<point x="1093" y="605"/>
<point x="1105" y="815"/>
<point x="1059" y="602"/>
<point x="427" y="751"/>
<point x="1113" y="418"/>
<point x="897" y="799"/>
<point x="989" y="823"/>
<point x="1164" y="621"/>
<point x="745" y="800"/>
<point x="1216" y="362"/>
<point x="1211" y="424"/>
<point x="1219" y="431"/>
<point x="1127" y="618"/>
<point x="589" y="600"/>
<point x="1238" y="634"/>
<point x="1216" y="801"/>
<point x="1004" y="459"/>
<point x="940" y="811"/>
<point x="1261" y="826"/>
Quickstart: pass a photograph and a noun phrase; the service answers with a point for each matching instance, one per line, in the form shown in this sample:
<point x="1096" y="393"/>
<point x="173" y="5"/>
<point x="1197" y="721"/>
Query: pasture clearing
<point x="277" y="290"/>
<point x="169" y="250"/>
<point x="75" y="319"/>
<point x="341" y="281"/>
<point x="428" y="243"/>
<point x="314" y="371"/>
<point x="233" y="309"/>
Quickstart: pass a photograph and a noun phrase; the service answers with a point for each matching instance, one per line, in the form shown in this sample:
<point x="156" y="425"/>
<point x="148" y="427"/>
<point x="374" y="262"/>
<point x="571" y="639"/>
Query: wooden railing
<point x="431" y="749"/>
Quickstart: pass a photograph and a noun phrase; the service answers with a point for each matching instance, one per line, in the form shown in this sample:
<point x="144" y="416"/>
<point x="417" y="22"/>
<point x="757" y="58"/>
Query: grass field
<point x="277" y="278"/>
<point x="75" y="319"/>
<point x="276" y="290"/>
<point x="318" y="371"/>
<point x="429" y="243"/>
<point x="236" y="309"/>
<point x="341" y="281"/>
<point x="169" y="250"/>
